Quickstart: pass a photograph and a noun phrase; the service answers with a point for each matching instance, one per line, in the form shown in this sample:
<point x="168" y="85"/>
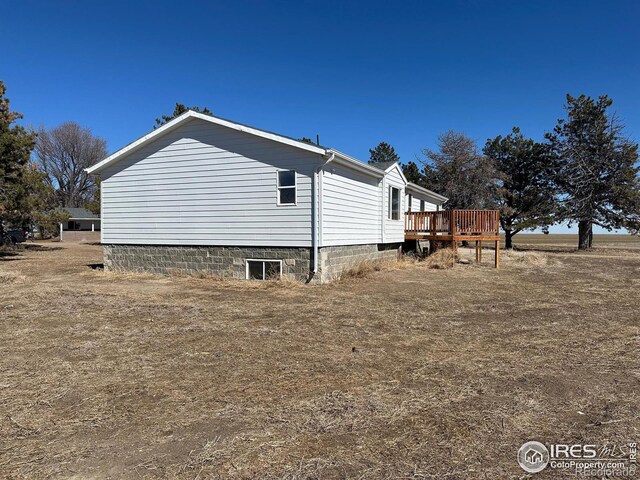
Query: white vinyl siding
<point x="415" y="203"/>
<point x="394" y="229"/>
<point x="205" y="184"/>
<point x="350" y="207"/>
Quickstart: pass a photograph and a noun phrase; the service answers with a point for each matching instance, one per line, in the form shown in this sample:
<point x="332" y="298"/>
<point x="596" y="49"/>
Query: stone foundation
<point x="230" y="262"/>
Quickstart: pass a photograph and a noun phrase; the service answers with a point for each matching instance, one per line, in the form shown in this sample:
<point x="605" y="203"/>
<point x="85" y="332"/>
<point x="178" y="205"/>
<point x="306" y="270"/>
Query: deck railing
<point x="452" y="222"/>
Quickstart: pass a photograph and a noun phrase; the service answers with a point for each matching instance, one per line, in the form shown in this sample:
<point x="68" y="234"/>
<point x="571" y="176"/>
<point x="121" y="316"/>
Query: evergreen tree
<point x="177" y="111"/>
<point x="93" y="204"/>
<point x="15" y="148"/>
<point x="412" y="172"/>
<point x="383" y="153"/>
<point x="40" y="206"/>
<point x="526" y="195"/>
<point x="596" y="169"/>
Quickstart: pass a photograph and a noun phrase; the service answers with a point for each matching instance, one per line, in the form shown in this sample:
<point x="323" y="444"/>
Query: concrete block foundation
<point x="231" y="262"/>
<point x="335" y="260"/>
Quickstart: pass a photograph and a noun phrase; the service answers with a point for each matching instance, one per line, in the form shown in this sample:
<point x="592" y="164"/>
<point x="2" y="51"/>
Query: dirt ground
<point x="408" y="373"/>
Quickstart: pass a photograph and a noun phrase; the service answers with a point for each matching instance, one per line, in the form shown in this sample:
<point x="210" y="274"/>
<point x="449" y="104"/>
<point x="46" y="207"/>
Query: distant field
<point x="571" y="240"/>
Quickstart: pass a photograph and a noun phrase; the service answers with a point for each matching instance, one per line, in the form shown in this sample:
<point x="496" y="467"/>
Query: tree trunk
<point x="585" y="234"/>
<point x="507" y="240"/>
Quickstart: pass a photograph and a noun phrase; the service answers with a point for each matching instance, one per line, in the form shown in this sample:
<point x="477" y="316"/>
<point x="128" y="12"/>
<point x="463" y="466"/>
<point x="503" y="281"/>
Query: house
<point x="208" y="194"/>
<point x="533" y="457"/>
<point x="82" y="226"/>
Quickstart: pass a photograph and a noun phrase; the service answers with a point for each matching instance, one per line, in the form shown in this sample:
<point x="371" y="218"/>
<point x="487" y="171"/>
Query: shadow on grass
<point x="33" y="247"/>
<point x="544" y="248"/>
<point x="8" y="254"/>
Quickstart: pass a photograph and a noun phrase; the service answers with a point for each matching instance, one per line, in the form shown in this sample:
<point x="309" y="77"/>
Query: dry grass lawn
<point x="406" y="373"/>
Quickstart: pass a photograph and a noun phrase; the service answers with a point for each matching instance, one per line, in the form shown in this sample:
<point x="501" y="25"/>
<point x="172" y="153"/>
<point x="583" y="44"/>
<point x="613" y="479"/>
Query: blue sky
<point x="354" y="73"/>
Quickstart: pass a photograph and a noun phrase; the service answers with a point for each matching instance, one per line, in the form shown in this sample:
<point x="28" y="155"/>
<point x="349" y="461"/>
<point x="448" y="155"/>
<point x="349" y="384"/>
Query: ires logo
<point x="561" y="451"/>
<point x="606" y="461"/>
<point x="534" y="457"/>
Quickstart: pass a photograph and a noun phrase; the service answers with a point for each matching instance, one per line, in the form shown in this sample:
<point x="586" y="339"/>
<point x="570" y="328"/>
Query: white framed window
<point x="261" y="269"/>
<point x="287" y="187"/>
<point x="409" y="202"/>
<point x="394" y="203"/>
<point x="422" y="205"/>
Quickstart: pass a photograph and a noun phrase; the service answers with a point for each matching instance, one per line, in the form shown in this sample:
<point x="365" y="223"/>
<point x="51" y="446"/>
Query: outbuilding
<point x="82" y="226"/>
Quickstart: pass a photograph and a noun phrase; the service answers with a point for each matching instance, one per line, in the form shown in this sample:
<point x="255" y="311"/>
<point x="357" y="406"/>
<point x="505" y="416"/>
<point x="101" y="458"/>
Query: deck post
<point x="477" y="253"/>
<point x="452" y="227"/>
<point x="497" y="253"/>
<point x="480" y="252"/>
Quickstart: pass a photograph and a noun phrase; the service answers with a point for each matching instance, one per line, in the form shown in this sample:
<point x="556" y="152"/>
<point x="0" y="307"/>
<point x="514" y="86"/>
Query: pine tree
<point x="413" y="174"/>
<point x="596" y="170"/>
<point x="177" y="111"/>
<point x="15" y="148"/>
<point x="526" y="195"/>
<point x="383" y="153"/>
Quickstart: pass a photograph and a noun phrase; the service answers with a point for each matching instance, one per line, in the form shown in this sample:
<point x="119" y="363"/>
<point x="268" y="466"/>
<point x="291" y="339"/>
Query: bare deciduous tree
<point x="63" y="153"/>
<point x="459" y="172"/>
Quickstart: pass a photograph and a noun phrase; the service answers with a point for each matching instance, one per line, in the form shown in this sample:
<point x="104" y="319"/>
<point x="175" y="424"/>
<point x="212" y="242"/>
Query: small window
<point x="394" y="203"/>
<point x="264" y="269"/>
<point x="287" y="187"/>
<point x="409" y="202"/>
<point x="422" y="205"/>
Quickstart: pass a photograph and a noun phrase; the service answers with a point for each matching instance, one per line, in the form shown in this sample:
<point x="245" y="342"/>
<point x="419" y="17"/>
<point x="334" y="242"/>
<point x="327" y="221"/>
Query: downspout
<point x="317" y="200"/>
<point x="384" y="210"/>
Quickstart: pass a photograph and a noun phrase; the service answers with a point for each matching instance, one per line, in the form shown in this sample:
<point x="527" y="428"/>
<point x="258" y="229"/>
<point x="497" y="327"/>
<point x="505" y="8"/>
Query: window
<point x="422" y="205"/>
<point x="287" y="187"/>
<point x="264" y="269"/>
<point x="394" y="203"/>
<point x="409" y="202"/>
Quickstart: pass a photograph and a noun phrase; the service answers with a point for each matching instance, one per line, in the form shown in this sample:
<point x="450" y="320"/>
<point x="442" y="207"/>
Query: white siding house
<point x="204" y="184"/>
<point x="204" y="193"/>
<point x="419" y="201"/>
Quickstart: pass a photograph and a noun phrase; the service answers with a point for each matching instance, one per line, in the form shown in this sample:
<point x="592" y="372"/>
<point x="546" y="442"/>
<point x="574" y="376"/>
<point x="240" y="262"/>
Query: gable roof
<point x="377" y="170"/>
<point x="185" y="117"/>
<point x="391" y="166"/>
<point x="81" y="214"/>
<point x="383" y="165"/>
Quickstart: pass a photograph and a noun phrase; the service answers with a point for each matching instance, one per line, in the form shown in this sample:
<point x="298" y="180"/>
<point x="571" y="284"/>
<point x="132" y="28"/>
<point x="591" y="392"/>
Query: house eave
<point x="355" y="164"/>
<point x="412" y="187"/>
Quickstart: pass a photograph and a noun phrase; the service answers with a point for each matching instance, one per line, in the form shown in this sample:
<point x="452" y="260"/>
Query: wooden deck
<point x="455" y="226"/>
